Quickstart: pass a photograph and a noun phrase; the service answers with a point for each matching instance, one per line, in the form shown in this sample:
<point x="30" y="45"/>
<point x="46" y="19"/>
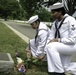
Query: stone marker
<point x="6" y="64"/>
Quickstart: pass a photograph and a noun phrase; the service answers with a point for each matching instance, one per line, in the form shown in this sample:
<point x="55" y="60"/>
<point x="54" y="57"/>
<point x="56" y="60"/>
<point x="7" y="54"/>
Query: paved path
<point x="23" y="30"/>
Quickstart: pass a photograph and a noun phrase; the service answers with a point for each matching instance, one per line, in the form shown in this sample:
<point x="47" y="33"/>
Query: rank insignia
<point x="73" y="28"/>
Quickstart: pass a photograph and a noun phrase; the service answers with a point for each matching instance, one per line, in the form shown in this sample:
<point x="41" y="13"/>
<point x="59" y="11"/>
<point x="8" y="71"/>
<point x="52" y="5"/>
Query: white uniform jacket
<point x="67" y="30"/>
<point x="43" y="34"/>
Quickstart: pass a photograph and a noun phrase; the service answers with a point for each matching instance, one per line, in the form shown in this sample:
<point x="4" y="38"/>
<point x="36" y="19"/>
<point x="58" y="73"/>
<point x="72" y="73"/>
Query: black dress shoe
<point x="51" y="73"/>
<point x="59" y="73"/>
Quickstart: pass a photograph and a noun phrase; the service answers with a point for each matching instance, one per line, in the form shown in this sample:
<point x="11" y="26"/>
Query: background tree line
<point x="23" y="9"/>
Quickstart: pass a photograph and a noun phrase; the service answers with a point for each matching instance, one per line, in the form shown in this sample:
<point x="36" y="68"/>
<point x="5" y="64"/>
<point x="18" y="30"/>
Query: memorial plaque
<point x="6" y="63"/>
<point x="4" y="57"/>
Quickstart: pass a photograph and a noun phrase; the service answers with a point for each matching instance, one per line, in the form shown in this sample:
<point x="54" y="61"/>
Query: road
<point x="25" y="29"/>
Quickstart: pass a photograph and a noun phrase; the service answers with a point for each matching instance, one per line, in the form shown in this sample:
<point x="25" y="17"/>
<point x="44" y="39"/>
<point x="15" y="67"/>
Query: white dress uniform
<point x="37" y="46"/>
<point x="59" y="53"/>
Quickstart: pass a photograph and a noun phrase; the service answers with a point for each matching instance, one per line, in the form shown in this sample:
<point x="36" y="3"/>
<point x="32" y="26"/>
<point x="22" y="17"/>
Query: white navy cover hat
<point x="60" y="5"/>
<point x="56" y="6"/>
<point x="33" y="19"/>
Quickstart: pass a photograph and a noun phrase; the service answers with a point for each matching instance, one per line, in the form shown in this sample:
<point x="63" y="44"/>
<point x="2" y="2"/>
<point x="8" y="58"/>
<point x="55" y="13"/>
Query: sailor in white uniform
<point x="62" y="44"/>
<point x="42" y="32"/>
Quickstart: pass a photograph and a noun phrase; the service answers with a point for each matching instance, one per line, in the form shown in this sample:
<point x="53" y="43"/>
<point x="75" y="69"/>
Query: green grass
<point x="10" y="42"/>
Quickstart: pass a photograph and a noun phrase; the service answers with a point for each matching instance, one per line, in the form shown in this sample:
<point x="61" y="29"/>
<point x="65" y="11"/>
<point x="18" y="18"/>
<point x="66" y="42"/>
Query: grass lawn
<point x="10" y="42"/>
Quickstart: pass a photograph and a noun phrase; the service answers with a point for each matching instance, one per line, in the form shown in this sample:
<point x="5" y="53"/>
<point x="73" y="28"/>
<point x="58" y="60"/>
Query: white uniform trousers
<point x="59" y="56"/>
<point x="33" y="47"/>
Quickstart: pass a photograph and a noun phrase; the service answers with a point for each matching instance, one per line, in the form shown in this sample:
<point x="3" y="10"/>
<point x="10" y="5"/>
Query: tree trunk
<point x="5" y="17"/>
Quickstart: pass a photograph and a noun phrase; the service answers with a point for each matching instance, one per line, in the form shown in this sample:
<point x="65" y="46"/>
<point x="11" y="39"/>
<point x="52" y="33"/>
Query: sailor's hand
<point x="41" y="57"/>
<point x="53" y="40"/>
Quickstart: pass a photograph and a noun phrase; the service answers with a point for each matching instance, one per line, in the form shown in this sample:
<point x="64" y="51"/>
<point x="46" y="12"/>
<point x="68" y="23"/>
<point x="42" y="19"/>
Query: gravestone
<point x="6" y="64"/>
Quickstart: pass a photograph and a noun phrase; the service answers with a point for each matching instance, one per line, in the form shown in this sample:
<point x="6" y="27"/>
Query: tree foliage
<point x="30" y="6"/>
<point x="33" y="7"/>
<point x="26" y="8"/>
<point x="44" y="15"/>
<point x="8" y="7"/>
